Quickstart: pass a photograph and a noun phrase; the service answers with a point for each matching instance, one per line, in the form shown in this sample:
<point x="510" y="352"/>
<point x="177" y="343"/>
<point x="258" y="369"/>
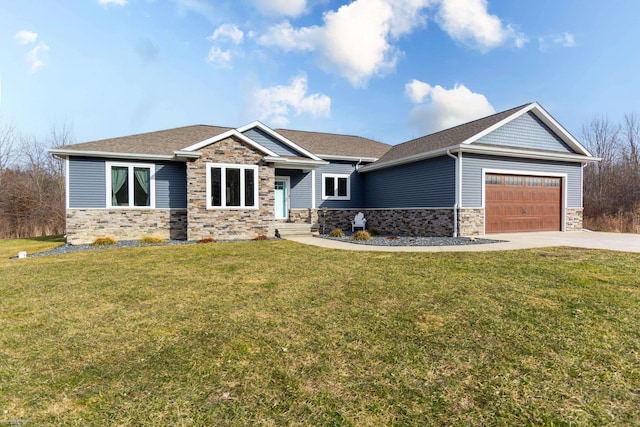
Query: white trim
<point x="228" y="134"/>
<point x="336" y="176"/>
<point x="66" y="181"/>
<point x="516" y="152"/>
<point x="459" y="180"/>
<point x="391" y="209"/>
<point x="187" y="154"/>
<point x="288" y="163"/>
<point x="287" y="180"/>
<point x="313" y="189"/>
<point x="130" y="184"/>
<point x="347" y="158"/>
<point x="563" y="176"/>
<point x="109" y="155"/>
<point x="279" y="137"/>
<point x="410" y="159"/>
<point x="223" y="179"/>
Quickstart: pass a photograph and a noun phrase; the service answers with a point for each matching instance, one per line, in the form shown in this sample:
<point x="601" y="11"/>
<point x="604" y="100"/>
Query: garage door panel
<point x="522" y="203"/>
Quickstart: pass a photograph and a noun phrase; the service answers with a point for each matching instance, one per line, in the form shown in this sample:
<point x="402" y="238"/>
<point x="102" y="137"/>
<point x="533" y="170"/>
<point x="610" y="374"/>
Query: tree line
<point x="612" y="186"/>
<point x="32" y="186"/>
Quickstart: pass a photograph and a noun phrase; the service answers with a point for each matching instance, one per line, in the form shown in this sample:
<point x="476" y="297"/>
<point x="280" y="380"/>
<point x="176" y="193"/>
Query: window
<point x="232" y="186"/>
<point x="513" y="180"/>
<point x="493" y="179"/>
<point x="552" y="182"/>
<point x="533" y="182"/>
<point x="335" y="187"/>
<point x="130" y="185"/>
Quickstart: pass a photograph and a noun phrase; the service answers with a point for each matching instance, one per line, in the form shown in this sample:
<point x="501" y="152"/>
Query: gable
<point x="271" y="143"/>
<point x="528" y="132"/>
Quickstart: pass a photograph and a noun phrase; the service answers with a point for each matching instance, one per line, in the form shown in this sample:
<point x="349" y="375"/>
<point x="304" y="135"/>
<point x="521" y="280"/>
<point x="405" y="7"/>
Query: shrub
<point x="151" y="240"/>
<point x="336" y="232"/>
<point x="361" y="235"/>
<point x="104" y="241"/>
<point x="375" y="231"/>
<point x="261" y="237"/>
<point x="207" y="240"/>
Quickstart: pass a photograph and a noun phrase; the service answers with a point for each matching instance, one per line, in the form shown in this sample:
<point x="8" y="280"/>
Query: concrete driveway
<point x="577" y="239"/>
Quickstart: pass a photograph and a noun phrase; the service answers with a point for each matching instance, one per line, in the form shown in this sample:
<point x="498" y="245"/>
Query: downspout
<point x="358" y="164"/>
<point x="455" y="205"/>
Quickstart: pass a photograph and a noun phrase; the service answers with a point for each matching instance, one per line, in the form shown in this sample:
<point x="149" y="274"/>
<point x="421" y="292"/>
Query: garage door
<point x="522" y="203"/>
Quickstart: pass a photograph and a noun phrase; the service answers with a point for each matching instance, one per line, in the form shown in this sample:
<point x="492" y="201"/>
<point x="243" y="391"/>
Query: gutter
<point x="455" y="205"/>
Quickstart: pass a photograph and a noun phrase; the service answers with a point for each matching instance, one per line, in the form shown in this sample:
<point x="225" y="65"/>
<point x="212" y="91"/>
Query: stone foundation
<point x="85" y="225"/>
<point x="471" y="222"/>
<point x="574" y="219"/>
<point x="401" y="222"/>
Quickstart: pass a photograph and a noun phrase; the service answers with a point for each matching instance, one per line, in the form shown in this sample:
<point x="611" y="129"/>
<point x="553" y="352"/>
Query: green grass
<point x="275" y="333"/>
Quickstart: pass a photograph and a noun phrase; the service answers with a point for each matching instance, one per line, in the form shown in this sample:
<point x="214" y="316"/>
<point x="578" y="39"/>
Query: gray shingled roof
<point x="445" y="138"/>
<point x="163" y="142"/>
<point x="334" y="144"/>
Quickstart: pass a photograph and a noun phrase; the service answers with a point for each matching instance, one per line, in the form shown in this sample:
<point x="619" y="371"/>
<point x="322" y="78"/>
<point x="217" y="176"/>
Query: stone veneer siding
<point x="303" y="216"/>
<point x="471" y="222"/>
<point x="401" y="222"/>
<point x="229" y="223"/>
<point x="574" y="219"/>
<point x="85" y="225"/>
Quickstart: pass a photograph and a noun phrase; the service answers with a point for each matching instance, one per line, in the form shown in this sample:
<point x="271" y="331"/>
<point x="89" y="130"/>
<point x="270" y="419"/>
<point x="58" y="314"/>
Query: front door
<point x="281" y="198"/>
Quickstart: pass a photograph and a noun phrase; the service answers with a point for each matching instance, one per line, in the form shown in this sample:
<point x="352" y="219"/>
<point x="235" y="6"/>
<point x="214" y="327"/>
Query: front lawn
<point x="276" y="333"/>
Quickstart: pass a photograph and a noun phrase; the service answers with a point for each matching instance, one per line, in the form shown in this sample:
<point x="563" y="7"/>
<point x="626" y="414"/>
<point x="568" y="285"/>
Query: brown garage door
<point x="522" y="203"/>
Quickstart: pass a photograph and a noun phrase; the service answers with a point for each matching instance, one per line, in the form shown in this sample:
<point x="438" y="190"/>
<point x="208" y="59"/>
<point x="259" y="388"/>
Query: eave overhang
<point x="486" y="150"/>
<point x="289" y="163"/>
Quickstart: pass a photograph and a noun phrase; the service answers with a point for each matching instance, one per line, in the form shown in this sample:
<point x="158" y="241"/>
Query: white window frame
<point x="130" y="183"/>
<point x="223" y="183"/>
<point x="335" y="186"/>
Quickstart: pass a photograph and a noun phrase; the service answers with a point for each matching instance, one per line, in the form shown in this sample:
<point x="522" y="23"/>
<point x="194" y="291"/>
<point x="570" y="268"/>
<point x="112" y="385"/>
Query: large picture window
<point x="335" y="187"/>
<point x="129" y="185"/>
<point x="232" y="186"/>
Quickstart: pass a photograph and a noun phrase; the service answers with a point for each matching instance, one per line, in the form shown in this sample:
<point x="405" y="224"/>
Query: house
<point x="518" y="170"/>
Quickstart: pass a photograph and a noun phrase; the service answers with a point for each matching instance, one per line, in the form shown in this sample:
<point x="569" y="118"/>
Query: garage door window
<point x="552" y="182"/>
<point x="493" y="180"/>
<point x="534" y="182"/>
<point x="514" y="181"/>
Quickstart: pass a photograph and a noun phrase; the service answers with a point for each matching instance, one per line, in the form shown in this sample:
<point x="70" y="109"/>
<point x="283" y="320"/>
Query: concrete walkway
<point x="577" y="239"/>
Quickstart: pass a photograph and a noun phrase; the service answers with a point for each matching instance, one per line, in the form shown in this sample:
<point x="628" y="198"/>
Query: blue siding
<point x="428" y="183"/>
<point x="300" y="187"/>
<point x="356" y="182"/>
<point x="472" y="165"/>
<point x="87" y="185"/>
<point x="527" y="131"/>
<point x="171" y="185"/>
<point x="271" y="143"/>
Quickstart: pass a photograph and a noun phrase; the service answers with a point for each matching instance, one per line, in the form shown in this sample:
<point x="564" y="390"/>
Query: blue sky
<point x="390" y="70"/>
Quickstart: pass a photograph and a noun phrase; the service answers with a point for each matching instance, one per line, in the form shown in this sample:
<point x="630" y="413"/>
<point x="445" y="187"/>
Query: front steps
<point x="289" y="229"/>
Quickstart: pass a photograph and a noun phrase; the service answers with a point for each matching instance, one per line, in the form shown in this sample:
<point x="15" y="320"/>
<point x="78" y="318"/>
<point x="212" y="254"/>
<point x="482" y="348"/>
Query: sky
<point x="390" y="70"/>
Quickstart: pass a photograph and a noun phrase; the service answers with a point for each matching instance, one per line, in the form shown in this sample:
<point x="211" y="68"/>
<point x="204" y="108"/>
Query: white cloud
<point x="26" y="37"/>
<point x="113" y="2"/>
<point x="357" y="39"/>
<point x="417" y="91"/>
<point x="469" y="22"/>
<point x="274" y="104"/>
<point x="448" y="107"/>
<point x="559" y="40"/>
<point x="34" y="57"/>
<point x="229" y="32"/>
<point x="288" y="38"/>
<point x="292" y="8"/>
<point x="219" y="57"/>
